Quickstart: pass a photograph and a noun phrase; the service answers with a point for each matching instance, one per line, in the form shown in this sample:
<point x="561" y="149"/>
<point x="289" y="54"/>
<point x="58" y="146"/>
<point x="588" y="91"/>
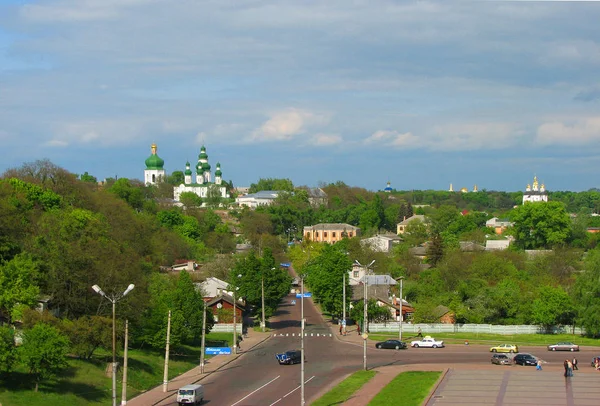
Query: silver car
<point x="501" y="359"/>
<point x="564" y="346"/>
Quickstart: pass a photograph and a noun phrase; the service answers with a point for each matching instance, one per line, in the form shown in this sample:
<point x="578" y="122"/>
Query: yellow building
<point x="330" y="232"/>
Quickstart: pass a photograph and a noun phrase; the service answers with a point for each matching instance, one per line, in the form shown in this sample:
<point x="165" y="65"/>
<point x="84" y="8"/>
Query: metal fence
<point x="471" y="328"/>
<point x="226" y="328"/>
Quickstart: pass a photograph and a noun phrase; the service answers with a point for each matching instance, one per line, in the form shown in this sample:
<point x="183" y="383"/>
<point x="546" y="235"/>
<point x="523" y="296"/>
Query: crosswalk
<point x="300" y="334"/>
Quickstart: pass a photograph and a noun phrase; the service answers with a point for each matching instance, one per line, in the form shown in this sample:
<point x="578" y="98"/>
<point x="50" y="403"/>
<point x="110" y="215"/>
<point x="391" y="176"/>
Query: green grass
<point x="489" y="339"/>
<point x="345" y="389"/>
<point x="407" y="389"/>
<point x="85" y="383"/>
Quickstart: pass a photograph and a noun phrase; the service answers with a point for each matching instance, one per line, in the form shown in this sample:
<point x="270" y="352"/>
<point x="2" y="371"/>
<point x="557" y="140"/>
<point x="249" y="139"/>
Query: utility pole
<point x="262" y="285"/>
<point x="203" y="339"/>
<point x="234" y="330"/>
<point x="344" y="311"/>
<point x="302" y="345"/>
<point x="124" y="391"/>
<point x="401" y="314"/>
<point x="365" y="314"/>
<point x="166" y="373"/>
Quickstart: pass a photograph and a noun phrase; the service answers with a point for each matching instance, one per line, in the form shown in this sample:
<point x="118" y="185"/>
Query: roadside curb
<point x="435" y="387"/>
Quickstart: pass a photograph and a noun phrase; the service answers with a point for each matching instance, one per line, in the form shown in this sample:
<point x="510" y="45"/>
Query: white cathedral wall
<point x="158" y="174"/>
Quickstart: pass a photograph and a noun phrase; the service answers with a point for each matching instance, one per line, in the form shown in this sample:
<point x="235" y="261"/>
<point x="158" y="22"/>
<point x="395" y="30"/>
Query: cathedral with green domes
<point x="198" y="183"/>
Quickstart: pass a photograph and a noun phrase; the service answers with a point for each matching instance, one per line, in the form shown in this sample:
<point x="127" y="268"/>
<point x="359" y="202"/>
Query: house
<point x="185" y="265"/>
<point x="593" y="230"/>
<point x="330" y="232"/>
<point x="377" y="286"/>
<point x="443" y="315"/>
<point x="394" y="305"/>
<point x="401" y="227"/>
<point x="470" y="246"/>
<point x="498" y="225"/>
<point x="262" y="198"/>
<point x="496" y="245"/>
<point x="316" y="196"/>
<point x="420" y="252"/>
<point x="381" y="242"/>
<point x="222" y="309"/>
<point x="212" y="287"/>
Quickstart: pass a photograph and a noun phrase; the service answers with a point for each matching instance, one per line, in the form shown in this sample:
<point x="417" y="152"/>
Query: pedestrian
<point x="566" y="365"/>
<point x="340" y="329"/>
<point x="358" y="329"/>
<point x="538" y="366"/>
<point x="575" y="364"/>
<point x="570" y="367"/>
<point x="419" y="333"/>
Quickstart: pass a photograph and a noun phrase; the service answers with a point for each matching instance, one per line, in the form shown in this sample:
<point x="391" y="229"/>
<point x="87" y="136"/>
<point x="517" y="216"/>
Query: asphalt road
<point x="256" y="378"/>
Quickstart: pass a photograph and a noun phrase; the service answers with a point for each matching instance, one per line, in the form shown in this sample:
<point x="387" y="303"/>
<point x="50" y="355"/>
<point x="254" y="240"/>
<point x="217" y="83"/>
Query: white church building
<point x="536" y="193"/>
<point x="198" y="183"/>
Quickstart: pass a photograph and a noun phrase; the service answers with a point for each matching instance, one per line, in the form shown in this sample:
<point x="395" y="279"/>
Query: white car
<point x="428" y="342"/>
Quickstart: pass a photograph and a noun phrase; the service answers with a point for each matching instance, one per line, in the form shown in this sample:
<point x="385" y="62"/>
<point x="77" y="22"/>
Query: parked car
<point x="501" y="359"/>
<point x="289" y="357"/>
<point x="525" y="359"/>
<point x="564" y="346"/>
<point x="511" y="348"/>
<point x="391" y="345"/>
<point x="190" y="395"/>
<point x="428" y="342"/>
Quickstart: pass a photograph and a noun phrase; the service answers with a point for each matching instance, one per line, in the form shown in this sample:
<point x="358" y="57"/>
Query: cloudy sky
<point x="421" y="94"/>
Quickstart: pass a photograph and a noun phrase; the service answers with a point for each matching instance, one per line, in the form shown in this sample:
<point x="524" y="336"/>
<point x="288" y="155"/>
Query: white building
<point x="535" y="193"/>
<point x="381" y="243"/>
<point x="154" y="172"/>
<point x="201" y="182"/>
<point x="262" y="198"/>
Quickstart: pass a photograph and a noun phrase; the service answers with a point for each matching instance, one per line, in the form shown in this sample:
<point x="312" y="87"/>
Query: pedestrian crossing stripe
<point x="305" y="335"/>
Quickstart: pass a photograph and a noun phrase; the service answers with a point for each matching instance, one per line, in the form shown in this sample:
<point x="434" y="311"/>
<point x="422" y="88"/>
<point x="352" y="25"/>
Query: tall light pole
<point x="235" y="288"/>
<point x="202" y="346"/>
<point x="344" y="310"/>
<point x="302" y="344"/>
<point x="365" y="315"/>
<point x="114" y="299"/>
<point x="401" y="315"/>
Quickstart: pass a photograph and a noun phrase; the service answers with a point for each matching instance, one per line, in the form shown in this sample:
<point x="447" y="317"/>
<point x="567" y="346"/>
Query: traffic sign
<point x="217" y="351"/>
<point x="306" y="294"/>
<point x="365" y="336"/>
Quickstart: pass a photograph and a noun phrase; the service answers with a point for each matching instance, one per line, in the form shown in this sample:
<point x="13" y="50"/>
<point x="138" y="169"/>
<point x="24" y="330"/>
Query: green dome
<point x="154" y="162"/>
<point x="188" y="171"/>
<point x="206" y="167"/>
<point x="218" y="171"/>
<point x="203" y="154"/>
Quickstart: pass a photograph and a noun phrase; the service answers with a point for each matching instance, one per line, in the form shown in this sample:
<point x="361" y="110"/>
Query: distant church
<point x="536" y="193"/>
<point x="198" y="184"/>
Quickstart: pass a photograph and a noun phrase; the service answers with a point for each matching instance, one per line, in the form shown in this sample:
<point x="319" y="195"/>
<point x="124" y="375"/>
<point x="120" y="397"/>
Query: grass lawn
<point x="85" y="383"/>
<point x="407" y="389"/>
<point x="345" y="389"/>
<point x="484" y="338"/>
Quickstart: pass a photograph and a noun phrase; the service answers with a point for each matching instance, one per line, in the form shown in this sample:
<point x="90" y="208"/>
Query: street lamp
<point x="114" y="299"/>
<point x="302" y="342"/>
<point x="401" y="315"/>
<point x="365" y="316"/>
<point x="234" y="317"/>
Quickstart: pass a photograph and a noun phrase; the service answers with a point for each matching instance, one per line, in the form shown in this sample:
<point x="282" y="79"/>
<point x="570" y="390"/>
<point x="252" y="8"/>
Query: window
<point x="324" y="234"/>
<point x="350" y="234"/>
<point x="333" y="234"/>
<point x="355" y="274"/>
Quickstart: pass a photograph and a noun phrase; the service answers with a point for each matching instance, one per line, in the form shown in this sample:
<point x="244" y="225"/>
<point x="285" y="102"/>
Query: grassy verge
<point x="345" y="389"/>
<point x="406" y="389"/>
<point x="84" y="382"/>
<point x="484" y="338"/>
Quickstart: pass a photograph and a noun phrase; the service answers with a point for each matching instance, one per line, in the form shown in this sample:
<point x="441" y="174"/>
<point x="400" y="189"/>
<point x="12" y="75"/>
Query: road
<point x="257" y="379"/>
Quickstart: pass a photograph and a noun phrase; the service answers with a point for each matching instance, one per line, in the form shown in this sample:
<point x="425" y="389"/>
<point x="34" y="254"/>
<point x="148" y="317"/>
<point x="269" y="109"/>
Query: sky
<point x="416" y="93"/>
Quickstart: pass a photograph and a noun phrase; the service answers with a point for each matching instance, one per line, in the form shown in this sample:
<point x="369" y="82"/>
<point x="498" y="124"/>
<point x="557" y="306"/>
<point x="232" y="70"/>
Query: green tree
<point x="271" y="184"/>
<point x="87" y="333"/>
<point x="8" y="349"/>
<point x="213" y="196"/>
<point x="176" y="178"/>
<point x="541" y="225"/>
<point x="553" y="307"/>
<point x="44" y="351"/>
<point x="19" y="279"/>
<point x="586" y="294"/>
<point x="86" y="177"/>
<point x="128" y="191"/>
<point x="190" y="199"/>
<point x="435" y="249"/>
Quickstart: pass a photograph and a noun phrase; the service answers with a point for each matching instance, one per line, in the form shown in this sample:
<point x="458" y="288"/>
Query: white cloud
<point x="101" y="133"/>
<point x="579" y="132"/>
<point x="326" y="139"/>
<point x="284" y="125"/>
<point x="393" y="138"/>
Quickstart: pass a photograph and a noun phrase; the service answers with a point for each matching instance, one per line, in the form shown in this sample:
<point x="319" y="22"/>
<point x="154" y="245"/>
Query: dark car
<point x="525" y="359"/>
<point x="289" y="357"/>
<point x="391" y="345"/>
<point x="501" y="359"/>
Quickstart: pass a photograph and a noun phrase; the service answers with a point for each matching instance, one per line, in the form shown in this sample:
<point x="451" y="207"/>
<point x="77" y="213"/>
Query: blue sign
<point x="217" y="351"/>
<point x="285" y="264"/>
<point x="306" y="294"/>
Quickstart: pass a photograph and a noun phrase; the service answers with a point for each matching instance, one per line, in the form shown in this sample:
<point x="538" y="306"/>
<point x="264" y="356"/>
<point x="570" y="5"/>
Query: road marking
<point x="289" y="393"/>
<point x="253" y="392"/>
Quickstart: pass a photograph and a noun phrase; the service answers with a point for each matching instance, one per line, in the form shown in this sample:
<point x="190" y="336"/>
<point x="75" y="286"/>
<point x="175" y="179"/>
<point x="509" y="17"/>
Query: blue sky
<point x="421" y="94"/>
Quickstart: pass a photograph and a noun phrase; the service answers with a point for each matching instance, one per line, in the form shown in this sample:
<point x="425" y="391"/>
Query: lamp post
<point x="114" y="299"/>
<point x="302" y="344"/>
<point x="344" y="310"/>
<point x="202" y="346"/>
<point x="365" y="315"/>
<point x="401" y="315"/>
<point x="235" y="288"/>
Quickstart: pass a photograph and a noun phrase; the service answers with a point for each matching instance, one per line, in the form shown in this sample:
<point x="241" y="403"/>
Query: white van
<point x="190" y="395"/>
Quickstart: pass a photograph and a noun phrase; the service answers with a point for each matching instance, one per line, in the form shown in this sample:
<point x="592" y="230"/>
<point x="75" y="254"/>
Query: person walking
<point x="566" y="365"/>
<point x="569" y="368"/>
<point x="538" y="366"/>
<point x="419" y="333"/>
<point x="340" y="328"/>
<point x="574" y="362"/>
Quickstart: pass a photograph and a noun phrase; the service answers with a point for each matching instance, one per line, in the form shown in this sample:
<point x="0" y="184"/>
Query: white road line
<point x="305" y="382"/>
<point x="253" y="392"/>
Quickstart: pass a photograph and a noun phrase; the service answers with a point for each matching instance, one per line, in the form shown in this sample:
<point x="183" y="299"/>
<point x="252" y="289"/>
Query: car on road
<point x="289" y="357"/>
<point x="427" y="342"/>
<point x="511" y="348"/>
<point x="391" y="345"/>
<point x="501" y="359"/>
<point x="525" y="359"/>
<point x="563" y="346"/>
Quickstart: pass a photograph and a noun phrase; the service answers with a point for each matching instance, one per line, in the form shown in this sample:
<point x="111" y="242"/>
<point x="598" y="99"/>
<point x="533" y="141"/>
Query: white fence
<point x="469" y="328"/>
<point x="226" y="328"/>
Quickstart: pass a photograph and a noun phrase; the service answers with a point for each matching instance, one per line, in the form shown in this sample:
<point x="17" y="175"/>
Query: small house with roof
<point x="401" y="227"/>
<point x="498" y="225"/>
<point x="222" y="309"/>
<point x="254" y="200"/>
<point x="381" y="242"/>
